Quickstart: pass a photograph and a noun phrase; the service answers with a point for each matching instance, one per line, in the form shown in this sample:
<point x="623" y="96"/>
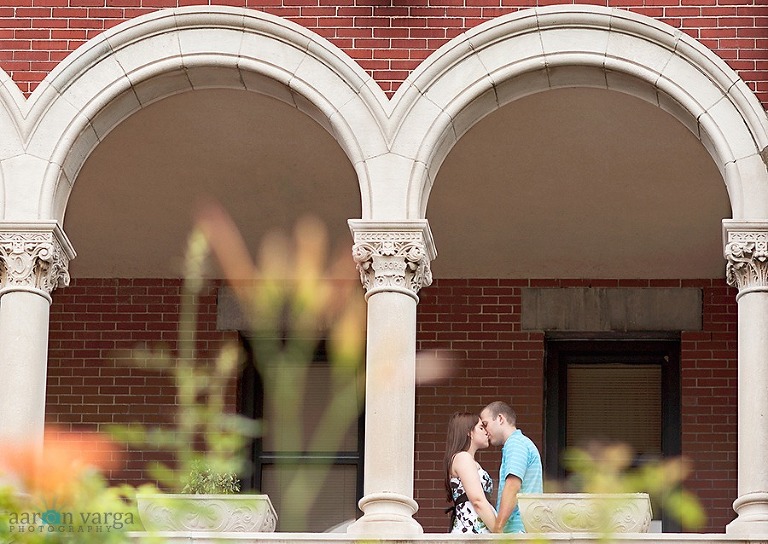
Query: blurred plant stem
<point x="607" y="468"/>
<point x="293" y="301"/>
<point x="203" y="432"/>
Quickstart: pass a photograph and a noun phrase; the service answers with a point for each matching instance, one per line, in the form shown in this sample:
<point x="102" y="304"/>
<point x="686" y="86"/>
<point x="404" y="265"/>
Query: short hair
<point x="499" y="407"/>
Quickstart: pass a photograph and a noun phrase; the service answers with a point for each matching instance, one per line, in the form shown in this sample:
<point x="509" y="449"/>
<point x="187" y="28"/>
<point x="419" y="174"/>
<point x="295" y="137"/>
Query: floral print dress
<point x="466" y="519"/>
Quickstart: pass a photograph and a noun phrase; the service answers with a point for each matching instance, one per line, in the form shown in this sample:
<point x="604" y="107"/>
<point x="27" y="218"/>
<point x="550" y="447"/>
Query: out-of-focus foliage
<point x="58" y="495"/>
<point x="608" y="469"/>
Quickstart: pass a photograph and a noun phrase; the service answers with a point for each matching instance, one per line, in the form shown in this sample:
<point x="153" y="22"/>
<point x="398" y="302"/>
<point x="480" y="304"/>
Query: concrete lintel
<point x="611" y="309"/>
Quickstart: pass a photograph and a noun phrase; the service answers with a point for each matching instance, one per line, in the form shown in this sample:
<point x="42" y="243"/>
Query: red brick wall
<point x="709" y="384"/>
<point x="92" y="320"/>
<point x="388" y="41"/>
<point x="478" y="321"/>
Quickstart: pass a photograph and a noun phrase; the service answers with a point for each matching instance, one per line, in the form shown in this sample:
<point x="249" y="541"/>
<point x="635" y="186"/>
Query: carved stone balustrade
<point x="607" y="513"/>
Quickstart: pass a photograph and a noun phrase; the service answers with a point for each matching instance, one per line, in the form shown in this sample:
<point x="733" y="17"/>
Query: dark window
<point x="331" y="465"/>
<point x="612" y="390"/>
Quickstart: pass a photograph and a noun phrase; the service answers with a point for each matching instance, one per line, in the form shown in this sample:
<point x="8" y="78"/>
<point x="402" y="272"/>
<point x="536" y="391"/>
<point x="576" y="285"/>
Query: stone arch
<point x="173" y="51"/>
<point x="11" y="144"/>
<point x="582" y="46"/>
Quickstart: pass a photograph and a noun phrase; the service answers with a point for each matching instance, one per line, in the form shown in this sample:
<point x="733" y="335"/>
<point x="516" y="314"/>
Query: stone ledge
<point x="443" y="538"/>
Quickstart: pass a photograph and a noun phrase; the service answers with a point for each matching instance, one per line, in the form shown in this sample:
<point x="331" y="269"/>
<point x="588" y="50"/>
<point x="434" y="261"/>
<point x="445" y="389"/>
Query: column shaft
<point x="393" y="259"/>
<point x="753" y="393"/>
<point x="746" y="250"/>
<point x="23" y="364"/>
<point x="390" y="399"/>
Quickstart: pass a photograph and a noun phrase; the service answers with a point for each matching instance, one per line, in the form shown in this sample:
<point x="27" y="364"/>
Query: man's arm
<point x="508" y="501"/>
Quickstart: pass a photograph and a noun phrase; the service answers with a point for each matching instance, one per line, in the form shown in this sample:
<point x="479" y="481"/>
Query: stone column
<point x="393" y="259"/>
<point x="746" y="250"/>
<point x="34" y="259"/>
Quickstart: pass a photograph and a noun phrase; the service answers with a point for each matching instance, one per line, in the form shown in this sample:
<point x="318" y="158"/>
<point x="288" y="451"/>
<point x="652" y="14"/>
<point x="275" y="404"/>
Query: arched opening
<point x="669" y="140"/>
<point x="130" y="213"/>
<point x="581" y="214"/>
<point x="584" y="46"/>
<point x="136" y="127"/>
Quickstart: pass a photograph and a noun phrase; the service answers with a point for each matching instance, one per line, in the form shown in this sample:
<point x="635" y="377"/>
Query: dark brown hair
<point x="459" y="427"/>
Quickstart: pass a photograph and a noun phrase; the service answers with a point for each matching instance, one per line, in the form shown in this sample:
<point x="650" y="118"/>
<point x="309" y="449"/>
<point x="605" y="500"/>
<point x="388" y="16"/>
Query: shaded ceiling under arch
<point x="578" y="183"/>
<point x="563" y="184"/>
<point x="267" y="163"/>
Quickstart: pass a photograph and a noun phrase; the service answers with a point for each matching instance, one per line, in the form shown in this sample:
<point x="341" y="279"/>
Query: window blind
<point x="615" y="403"/>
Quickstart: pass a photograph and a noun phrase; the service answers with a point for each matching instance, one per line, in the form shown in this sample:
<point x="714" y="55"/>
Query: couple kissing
<point x="469" y="486"/>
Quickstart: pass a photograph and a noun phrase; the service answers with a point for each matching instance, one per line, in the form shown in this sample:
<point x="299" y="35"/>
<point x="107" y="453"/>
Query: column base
<point x="752" y="520"/>
<point x="386" y="514"/>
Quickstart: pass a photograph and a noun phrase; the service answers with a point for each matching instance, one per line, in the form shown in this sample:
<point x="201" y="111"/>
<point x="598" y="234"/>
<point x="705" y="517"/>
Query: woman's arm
<point x="465" y="468"/>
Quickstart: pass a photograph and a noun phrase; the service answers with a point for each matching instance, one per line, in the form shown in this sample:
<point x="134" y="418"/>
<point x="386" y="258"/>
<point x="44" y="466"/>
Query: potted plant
<point x="202" y="480"/>
<point x="209" y="501"/>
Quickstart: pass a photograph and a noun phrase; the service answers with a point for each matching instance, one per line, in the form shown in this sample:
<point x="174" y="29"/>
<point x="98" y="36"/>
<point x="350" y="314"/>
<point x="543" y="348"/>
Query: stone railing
<point x="608" y="513"/>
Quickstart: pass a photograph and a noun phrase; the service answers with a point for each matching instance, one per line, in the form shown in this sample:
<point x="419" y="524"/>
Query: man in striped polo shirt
<point x="520" y="470"/>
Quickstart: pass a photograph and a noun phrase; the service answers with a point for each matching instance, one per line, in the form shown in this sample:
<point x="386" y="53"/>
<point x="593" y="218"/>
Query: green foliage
<point x="291" y="300"/>
<point x="94" y="513"/>
<point x="204" y="434"/>
<point x="607" y="469"/>
<point x="203" y="480"/>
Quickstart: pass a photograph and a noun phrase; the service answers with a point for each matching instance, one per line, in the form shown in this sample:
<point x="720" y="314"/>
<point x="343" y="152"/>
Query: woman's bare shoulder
<point x="463" y="458"/>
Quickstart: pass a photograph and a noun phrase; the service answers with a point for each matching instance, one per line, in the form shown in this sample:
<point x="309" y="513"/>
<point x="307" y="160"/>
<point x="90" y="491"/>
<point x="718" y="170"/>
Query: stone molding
<point x="386" y="513"/>
<point x="34" y="257"/>
<point x="207" y="513"/>
<point x="746" y="250"/>
<point x="166" y="52"/>
<point x="393" y="256"/>
<point x="397" y="145"/>
<point x="602" y="513"/>
<point x="561" y="46"/>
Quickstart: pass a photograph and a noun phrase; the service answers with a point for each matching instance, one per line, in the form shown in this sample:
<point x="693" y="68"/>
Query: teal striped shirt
<point x="519" y="457"/>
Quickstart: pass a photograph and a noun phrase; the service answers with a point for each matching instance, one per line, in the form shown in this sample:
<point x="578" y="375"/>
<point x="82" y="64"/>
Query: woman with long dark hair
<point x="466" y="483"/>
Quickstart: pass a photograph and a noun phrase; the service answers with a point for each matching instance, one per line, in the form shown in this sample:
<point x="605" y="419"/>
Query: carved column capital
<point x="393" y="255"/>
<point x="746" y="250"/>
<point x="34" y="256"/>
